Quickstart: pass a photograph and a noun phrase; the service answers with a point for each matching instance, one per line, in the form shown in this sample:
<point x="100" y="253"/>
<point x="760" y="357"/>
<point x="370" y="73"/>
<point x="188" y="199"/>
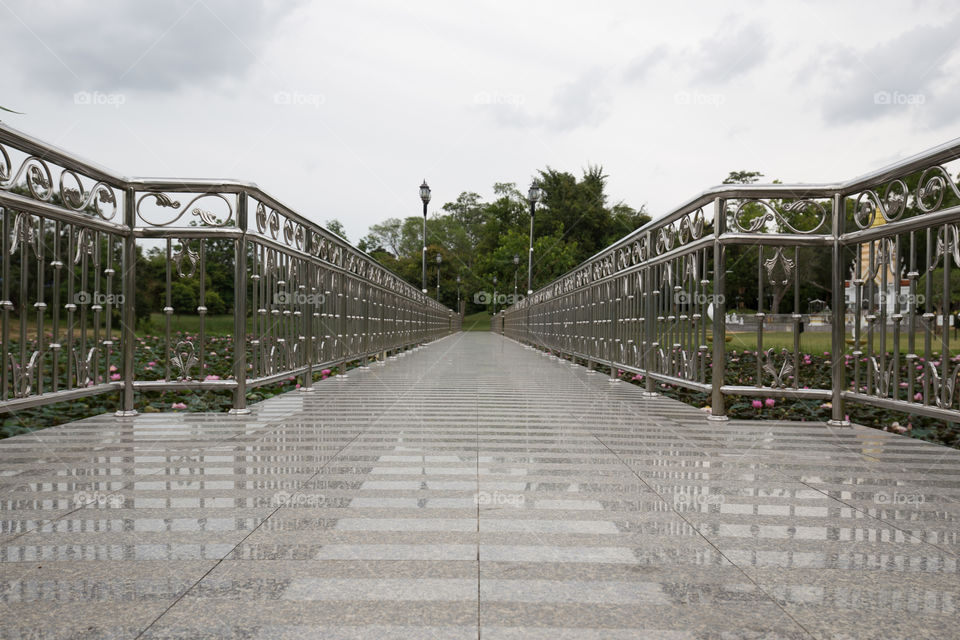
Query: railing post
<point x="718" y="407"/>
<point x="838" y="326"/>
<point x="309" y="303"/>
<point x="240" y="310"/>
<point x="648" y="297"/>
<point x="129" y="318"/>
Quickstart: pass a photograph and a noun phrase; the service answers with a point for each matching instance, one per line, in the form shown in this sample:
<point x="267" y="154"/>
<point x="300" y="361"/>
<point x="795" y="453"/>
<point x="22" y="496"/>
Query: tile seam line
<point x="268" y="427"/>
<point x="592" y="398"/>
<point x="679" y="427"/>
<point x="272" y="513"/>
<point x="707" y="540"/>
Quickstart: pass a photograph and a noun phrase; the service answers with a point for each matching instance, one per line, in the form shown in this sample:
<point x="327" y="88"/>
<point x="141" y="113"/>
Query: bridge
<point x="531" y="481"/>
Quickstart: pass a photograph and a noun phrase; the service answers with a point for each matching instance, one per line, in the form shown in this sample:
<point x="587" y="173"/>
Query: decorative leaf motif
<point x="950" y="385"/>
<point x="787" y="265"/>
<point x="75" y="198"/>
<point x="786" y="369"/>
<point x="163" y="200"/>
<point x="772" y="214"/>
<point x="947" y="244"/>
<point x="85" y="244"/>
<point x="22" y="378"/>
<point x="183" y="358"/>
<point x="184" y="252"/>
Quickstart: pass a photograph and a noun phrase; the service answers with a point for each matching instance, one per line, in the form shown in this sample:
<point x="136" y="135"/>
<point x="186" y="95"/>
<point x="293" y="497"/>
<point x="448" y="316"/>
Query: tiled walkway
<point x="474" y="488"/>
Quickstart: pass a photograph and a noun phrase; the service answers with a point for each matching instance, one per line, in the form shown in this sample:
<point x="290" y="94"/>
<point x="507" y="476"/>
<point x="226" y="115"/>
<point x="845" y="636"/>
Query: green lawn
<point x="215" y="325"/>
<point x="479" y="321"/>
<point x="818" y="342"/>
<point x="810" y="342"/>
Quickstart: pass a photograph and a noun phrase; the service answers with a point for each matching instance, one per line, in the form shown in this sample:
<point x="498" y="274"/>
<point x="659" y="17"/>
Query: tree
<point x="478" y="239"/>
<point x="936" y="288"/>
<point x="336" y="227"/>
<point x="742" y="177"/>
<point x="385" y="236"/>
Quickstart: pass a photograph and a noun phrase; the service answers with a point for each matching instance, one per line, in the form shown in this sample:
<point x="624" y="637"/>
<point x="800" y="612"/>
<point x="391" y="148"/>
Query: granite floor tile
<point x="473" y="488"/>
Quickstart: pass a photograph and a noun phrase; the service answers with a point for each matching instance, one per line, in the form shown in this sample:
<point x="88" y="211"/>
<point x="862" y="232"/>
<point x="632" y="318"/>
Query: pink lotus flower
<point x="918" y="397"/>
<point x="113" y="368"/>
<point x="115" y="376"/>
<point x="770" y="402"/>
<point x="178" y="405"/>
<point x="212" y="377"/>
<point x="151" y="364"/>
<point x="757" y="404"/>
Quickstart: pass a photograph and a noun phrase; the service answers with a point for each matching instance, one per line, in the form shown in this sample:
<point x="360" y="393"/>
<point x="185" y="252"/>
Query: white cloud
<point x="117" y="44"/>
<point x="905" y="76"/>
<point x="378" y="95"/>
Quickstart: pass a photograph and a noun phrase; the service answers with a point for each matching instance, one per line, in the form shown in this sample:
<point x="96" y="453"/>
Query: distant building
<point x="888" y="287"/>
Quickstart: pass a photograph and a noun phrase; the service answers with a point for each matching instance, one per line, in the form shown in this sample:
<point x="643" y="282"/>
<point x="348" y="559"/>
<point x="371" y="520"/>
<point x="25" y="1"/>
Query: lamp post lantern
<point x="533" y="195"/>
<point x="425" y="196"/>
<point x="439" y="260"/>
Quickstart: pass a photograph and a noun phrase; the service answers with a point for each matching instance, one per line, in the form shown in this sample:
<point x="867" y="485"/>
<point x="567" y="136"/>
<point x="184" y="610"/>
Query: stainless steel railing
<point x="654" y="303"/>
<point x="304" y="299"/>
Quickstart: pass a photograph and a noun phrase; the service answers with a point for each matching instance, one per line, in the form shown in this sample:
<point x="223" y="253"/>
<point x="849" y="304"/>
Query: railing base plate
<point x="712" y="418"/>
<point x="239" y="412"/>
<point x="839" y="423"/>
<point x="126" y="414"/>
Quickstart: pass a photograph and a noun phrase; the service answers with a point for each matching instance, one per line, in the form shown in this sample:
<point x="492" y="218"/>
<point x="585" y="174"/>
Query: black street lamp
<point x="458" y="295"/>
<point x="494" y="295"/>
<point x="533" y="195"/>
<point x="439" y="260"/>
<point x="425" y="196"/>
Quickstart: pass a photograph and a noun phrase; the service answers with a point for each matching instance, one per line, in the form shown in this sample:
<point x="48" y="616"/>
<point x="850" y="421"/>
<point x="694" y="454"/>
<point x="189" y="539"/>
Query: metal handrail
<point x="619" y="308"/>
<point x="315" y="300"/>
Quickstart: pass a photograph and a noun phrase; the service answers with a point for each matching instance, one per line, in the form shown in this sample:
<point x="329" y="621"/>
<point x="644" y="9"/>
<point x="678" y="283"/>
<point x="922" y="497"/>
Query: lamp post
<point x="458" y="295"/>
<point x="425" y="196"/>
<point x="516" y="267"/>
<point x="494" y="295"/>
<point x="533" y="195"/>
<point x="439" y="260"/>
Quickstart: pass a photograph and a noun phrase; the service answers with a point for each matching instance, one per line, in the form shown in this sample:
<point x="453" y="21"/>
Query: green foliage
<point x="336" y="227"/>
<point x="742" y="177"/>
<point x="936" y="287"/>
<point x="478" y="240"/>
<point x="183" y="296"/>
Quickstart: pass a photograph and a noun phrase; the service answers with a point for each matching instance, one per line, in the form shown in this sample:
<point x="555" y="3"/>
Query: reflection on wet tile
<point x="382" y="589"/>
<point x="475" y="480"/>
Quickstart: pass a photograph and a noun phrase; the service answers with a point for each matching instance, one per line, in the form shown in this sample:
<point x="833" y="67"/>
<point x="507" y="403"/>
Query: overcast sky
<point x="341" y="109"/>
